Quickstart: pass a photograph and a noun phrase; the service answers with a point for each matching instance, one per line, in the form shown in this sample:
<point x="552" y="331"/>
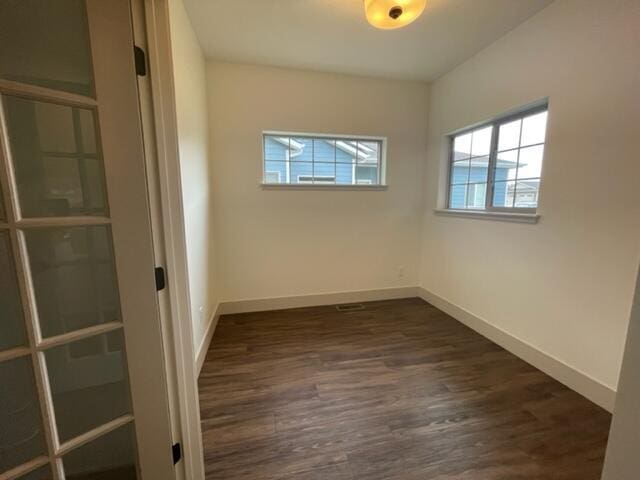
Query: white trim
<point x="489" y="215"/>
<point x="165" y="123"/>
<point x="329" y="136"/>
<point x="25" y="468"/>
<point x="93" y="434"/>
<point x="578" y="381"/>
<point x="328" y="180"/>
<point x="298" y="301"/>
<point x="319" y="186"/>
<point x="206" y="341"/>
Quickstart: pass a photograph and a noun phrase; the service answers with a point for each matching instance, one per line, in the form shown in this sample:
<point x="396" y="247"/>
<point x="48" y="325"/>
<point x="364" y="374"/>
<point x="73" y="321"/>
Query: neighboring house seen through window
<point x="497" y="166"/>
<point x="319" y="160"/>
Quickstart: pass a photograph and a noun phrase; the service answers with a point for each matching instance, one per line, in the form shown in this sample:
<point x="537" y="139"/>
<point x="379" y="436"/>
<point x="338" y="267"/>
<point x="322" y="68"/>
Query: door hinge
<point x="161" y="280"/>
<point x="141" y="61"/>
<point x="177" y="452"/>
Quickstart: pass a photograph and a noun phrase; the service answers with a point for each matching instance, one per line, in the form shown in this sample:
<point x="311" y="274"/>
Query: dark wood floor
<point x="397" y="391"/>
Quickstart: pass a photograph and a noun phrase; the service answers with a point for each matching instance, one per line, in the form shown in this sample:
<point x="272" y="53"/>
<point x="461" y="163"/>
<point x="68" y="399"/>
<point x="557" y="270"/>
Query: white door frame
<point x="157" y="99"/>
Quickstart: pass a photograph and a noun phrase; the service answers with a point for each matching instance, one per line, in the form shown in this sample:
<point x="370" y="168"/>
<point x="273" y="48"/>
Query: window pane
<point x="509" y="136"/>
<point x="12" y="330"/>
<point x="324" y="173"/>
<point x="345" y="174"/>
<point x="74" y="277"/>
<point x="301" y="172"/>
<point x="88" y="131"/>
<point x="479" y="171"/>
<point x="462" y="147"/>
<point x="534" y="129"/>
<point x="503" y="194"/>
<point x="526" y="193"/>
<point x="346" y="151"/>
<point x="324" y="150"/>
<point x="301" y="149"/>
<point x="89" y="383"/>
<point x="276" y="148"/>
<point x="47" y="44"/>
<point x="476" y="195"/>
<point x="366" y="175"/>
<point x="275" y="172"/>
<point x="42" y="473"/>
<point x="530" y="163"/>
<point x="54" y="175"/>
<point x="3" y="215"/>
<point x="506" y="165"/>
<point x="481" y="141"/>
<point x="368" y="153"/>
<point x="458" y="196"/>
<point x="460" y="172"/>
<point x="110" y="457"/>
<point x="20" y="421"/>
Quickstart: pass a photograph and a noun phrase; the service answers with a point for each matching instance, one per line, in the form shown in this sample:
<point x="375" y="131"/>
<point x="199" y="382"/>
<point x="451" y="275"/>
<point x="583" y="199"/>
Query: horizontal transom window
<point x="299" y="159"/>
<point x="498" y="165"/>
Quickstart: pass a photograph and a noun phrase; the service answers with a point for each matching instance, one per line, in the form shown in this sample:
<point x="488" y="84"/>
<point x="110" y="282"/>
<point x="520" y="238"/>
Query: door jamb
<point x="167" y="209"/>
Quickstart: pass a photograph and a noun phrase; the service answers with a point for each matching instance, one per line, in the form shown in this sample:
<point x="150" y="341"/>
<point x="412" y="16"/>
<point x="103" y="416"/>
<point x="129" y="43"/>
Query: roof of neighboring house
<point x="365" y="154"/>
<point x="525" y="185"/>
<point x="483" y="161"/>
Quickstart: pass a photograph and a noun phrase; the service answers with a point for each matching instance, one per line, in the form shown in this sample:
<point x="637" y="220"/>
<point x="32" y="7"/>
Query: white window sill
<point x="488" y="215"/>
<point x="298" y="186"/>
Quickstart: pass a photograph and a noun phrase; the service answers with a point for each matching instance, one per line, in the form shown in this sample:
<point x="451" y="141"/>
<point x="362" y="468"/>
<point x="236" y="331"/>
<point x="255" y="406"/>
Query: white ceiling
<point x="334" y="36"/>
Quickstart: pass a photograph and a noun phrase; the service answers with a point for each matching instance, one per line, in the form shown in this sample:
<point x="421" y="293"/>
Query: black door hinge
<point x="161" y="280"/>
<point x="177" y="452"/>
<point x="140" y="60"/>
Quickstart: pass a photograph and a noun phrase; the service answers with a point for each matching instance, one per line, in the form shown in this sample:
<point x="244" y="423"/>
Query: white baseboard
<point x="580" y="382"/>
<point x="298" y="301"/>
<point x="201" y="353"/>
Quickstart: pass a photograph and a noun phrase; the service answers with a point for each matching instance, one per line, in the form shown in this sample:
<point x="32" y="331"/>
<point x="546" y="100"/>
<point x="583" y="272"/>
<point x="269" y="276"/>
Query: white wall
<point x="195" y="167"/>
<point x="623" y="461"/>
<point x="277" y="243"/>
<point x="564" y="285"/>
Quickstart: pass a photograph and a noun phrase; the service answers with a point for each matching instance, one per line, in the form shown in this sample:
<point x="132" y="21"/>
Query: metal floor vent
<point x="349" y="307"/>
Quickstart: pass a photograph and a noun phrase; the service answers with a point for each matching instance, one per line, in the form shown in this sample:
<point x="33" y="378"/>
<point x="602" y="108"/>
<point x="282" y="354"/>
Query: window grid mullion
<point x="515" y="183"/>
<point x="313" y="162"/>
<point x="12" y="212"/>
<point x="466" y="190"/>
<point x="491" y="169"/>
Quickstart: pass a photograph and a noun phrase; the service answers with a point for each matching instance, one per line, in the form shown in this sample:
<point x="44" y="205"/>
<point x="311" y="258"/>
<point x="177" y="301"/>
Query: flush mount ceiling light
<point x="390" y="14"/>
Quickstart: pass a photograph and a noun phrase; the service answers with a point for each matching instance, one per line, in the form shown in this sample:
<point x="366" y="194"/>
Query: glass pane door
<point x="68" y="392"/>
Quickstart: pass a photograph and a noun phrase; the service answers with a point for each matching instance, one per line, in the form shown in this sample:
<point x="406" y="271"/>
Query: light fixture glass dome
<point x="389" y="14"/>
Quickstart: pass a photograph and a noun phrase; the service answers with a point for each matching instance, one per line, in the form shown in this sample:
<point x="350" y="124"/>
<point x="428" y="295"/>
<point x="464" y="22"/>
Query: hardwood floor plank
<point x="397" y="390"/>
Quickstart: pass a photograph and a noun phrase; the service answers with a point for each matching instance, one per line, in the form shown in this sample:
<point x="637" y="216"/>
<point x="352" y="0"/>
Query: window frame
<point x="382" y="166"/>
<point x="493" y="155"/>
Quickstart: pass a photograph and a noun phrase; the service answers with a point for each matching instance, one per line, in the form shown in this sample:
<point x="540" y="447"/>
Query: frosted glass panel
<point x="21" y="438"/>
<point x="42" y="473"/>
<point x="12" y="331"/>
<point x="89" y="383"/>
<point x="46" y="43"/>
<point x="110" y="457"/>
<point x="3" y="215"/>
<point x="73" y="277"/>
<point x="54" y="152"/>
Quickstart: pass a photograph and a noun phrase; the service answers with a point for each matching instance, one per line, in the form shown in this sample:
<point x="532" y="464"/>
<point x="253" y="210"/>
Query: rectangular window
<point x="497" y="166"/>
<point x="303" y="159"/>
